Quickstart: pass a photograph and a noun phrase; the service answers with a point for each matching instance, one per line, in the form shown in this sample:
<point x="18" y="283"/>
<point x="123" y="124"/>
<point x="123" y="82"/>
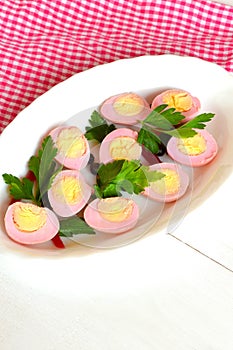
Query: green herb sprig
<point x="20" y="188"/>
<point x="74" y="226"/>
<point x="164" y="120"/>
<point x="44" y="168"/>
<point x="98" y="128"/>
<point x="123" y="175"/>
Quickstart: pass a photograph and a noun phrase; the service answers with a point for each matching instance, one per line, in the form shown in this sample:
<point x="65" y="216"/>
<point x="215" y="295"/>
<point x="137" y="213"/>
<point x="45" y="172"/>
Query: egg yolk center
<point x="128" y="105"/>
<point x="169" y="184"/>
<point x="124" y="147"/>
<point x="71" y="143"/>
<point x="28" y="217"/>
<point x="115" y="209"/>
<point x="182" y="101"/>
<point x="192" y="146"/>
<point x="67" y="190"/>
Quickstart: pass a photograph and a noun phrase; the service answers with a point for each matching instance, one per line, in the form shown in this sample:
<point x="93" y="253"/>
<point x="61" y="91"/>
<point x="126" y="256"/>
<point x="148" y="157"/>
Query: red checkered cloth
<point x="43" y="42"/>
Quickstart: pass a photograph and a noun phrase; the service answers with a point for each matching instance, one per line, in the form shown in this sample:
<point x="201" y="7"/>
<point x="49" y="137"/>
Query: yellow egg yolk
<point x="128" y="105"/>
<point x="192" y="146"/>
<point x="71" y="143"/>
<point x="67" y="190"/>
<point x="28" y="217"/>
<point x="115" y="209"/>
<point x="169" y="184"/>
<point x="182" y="101"/>
<point x="124" y="147"/>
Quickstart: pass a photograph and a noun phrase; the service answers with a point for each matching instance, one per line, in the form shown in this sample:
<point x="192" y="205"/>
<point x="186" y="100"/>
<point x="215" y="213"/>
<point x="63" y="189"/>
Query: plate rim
<point x="62" y="85"/>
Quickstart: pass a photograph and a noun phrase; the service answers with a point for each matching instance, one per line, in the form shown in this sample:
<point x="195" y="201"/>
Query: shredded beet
<point x="58" y="242"/>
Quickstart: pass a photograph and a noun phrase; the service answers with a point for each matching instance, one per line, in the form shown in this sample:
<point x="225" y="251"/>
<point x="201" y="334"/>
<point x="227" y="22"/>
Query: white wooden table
<point x="183" y="300"/>
<point x="226" y="2"/>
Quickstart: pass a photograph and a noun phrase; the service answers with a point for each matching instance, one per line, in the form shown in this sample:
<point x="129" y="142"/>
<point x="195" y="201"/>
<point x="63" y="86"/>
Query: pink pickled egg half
<point x="112" y="215"/>
<point x="69" y="193"/>
<point x="27" y="223"/>
<point x="73" y="147"/>
<point x="193" y="151"/>
<point x="120" y="144"/>
<point x="126" y="108"/>
<point x="181" y="100"/>
<point x="169" y="188"/>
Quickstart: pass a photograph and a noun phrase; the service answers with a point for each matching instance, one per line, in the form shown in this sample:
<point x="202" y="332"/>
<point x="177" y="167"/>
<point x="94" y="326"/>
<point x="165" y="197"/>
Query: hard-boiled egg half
<point x="193" y="151"/>
<point x="181" y="100"/>
<point x="28" y="223"/>
<point x="68" y="193"/>
<point x="125" y="108"/>
<point x="169" y="188"/>
<point x="120" y="144"/>
<point x="72" y="145"/>
<point x="112" y="215"/>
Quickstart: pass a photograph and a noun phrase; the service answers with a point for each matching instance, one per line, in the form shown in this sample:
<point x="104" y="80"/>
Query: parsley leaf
<point x="160" y="120"/>
<point x="163" y="118"/>
<point x="186" y="130"/>
<point x="149" y="139"/>
<point x="198" y="122"/>
<point x="74" y="226"/>
<point x="19" y="188"/>
<point x="131" y="178"/>
<point x="123" y="175"/>
<point x="44" y="166"/>
<point x="34" y="166"/>
<point x="95" y="120"/>
<point x="152" y="175"/>
<point x="98" y="133"/>
<point x="46" y="156"/>
<point x="98" y="128"/>
<point x="107" y="172"/>
<point x="182" y="133"/>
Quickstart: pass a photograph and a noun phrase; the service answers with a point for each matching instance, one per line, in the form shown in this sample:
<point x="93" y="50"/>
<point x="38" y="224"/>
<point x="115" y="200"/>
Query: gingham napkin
<point x="43" y="42"/>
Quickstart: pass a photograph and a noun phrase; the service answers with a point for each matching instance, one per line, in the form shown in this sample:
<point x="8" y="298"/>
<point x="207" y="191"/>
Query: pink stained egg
<point x="72" y="145"/>
<point x="126" y="108"/>
<point x="194" y="151"/>
<point x="69" y="193"/>
<point x="181" y="100"/>
<point x="171" y="187"/>
<point x="120" y="144"/>
<point x="112" y="215"/>
<point x="28" y="223"/>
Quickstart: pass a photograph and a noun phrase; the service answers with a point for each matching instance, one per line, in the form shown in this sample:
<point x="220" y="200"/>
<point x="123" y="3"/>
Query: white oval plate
<point x="72" y="100"/>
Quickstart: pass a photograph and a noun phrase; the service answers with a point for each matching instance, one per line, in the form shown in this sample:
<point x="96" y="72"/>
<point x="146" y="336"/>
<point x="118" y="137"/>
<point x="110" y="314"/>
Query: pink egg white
<point x="73" y="147"/>
<point x="120" y="144"/>
<point x="125" y="108"/>
<point x="69" y="193"/>
<point x="27" y="223"/>
<point x="169" y="188"/>
<point x="112" y="215"/>
<point x="194" y="151"/>
<point x="181" y="100"/>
